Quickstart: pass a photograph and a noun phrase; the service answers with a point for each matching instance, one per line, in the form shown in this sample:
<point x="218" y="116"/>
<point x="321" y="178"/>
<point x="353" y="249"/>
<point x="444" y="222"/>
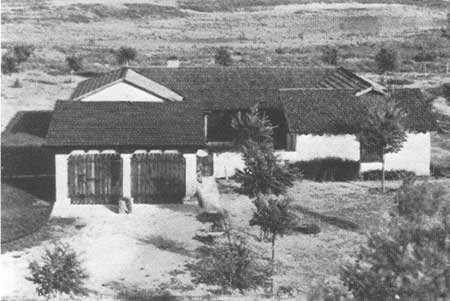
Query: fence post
<point x="126" y="175"/>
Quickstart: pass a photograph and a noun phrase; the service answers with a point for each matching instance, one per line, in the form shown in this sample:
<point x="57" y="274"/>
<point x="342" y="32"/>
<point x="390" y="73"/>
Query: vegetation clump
<point x="125" y="55"/>
<point x="386" y="60"/>
<point x="223" y="57"/>
<point x="330" y="56"/>
<point x="410" y="259"/>
<point x="263" y="173"/>
<point x="230" y="265"/>
<point x="59" y="272"/>
<point x="74" y="62"/>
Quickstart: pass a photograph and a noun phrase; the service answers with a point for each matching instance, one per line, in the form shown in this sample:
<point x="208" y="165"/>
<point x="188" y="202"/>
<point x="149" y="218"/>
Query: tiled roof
<point x="26" y="128"/>
<point x="331" y="111"/>
<point x="146" y="124"/>
<point x="127" y="75"/>
<point x="235" y="87"/>
<point x="321" y="111"/>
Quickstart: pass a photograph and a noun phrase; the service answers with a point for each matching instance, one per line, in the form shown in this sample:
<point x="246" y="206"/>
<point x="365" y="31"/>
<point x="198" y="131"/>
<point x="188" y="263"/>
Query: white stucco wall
<point x="191" y="174"/>
<point x="62" y="201"/>
<point x="226" y="163"/>
<point x="122" y="92"/>
<point x="415" y="156"/>
<point x="310" y="147"/>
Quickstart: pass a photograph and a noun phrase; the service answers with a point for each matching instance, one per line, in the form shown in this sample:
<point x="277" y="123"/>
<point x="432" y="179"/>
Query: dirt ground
<point x="148" y="249"/>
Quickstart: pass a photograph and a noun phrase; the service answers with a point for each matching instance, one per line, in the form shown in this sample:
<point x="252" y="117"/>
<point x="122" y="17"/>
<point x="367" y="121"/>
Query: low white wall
<point x="414" y="156"/>
<point x="311" y="147"/>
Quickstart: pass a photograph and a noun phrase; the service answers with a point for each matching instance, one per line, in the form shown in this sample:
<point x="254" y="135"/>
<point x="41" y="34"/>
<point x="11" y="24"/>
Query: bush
<point x="425" y="57"/>
<point x="410" y="259"/>
<point x="17" y="84"/>
<point x="416" y="200"/>
<point x="446" y="91"/>
<point x="327" y="169"/>
<point x="390" y="175"/>
<point x="125" y="54"/>
<point x="386" y="60"/>
<point x="60" y="272"/>
<point x="74" y="62"/>
<point x="330" y="56"/>
<point x="223" y="57"/>
<point x="22" y="52"/>
<point x="230" y="265"/>
<point x="9" y="64"/>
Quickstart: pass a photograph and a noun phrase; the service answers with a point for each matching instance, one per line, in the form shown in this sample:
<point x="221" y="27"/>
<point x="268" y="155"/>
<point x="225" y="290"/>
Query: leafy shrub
<point x="9" y="64"/>
<point x="327" y="169"/>
<point x="223" y="57"/>
<point x="390" y="175"/>
<point x="330" y="56"/>
<point x="399" y="81"/>
<point x="416" y="200"/>
<point x="410" y="259"/>
<point x="446" y="92"/>
<point x="231" y="265"/>
<point x="60" y="272"/>
<point x="425" y="57"/>
<point x="22" y="52"/>
<point x="17" y="84"/>
<point x="75" y="63"/>
<point x="279" y="50"/>
<point x="386" y="60"/>
<point x="125" y="54"/>
<point x="330" y="289"/>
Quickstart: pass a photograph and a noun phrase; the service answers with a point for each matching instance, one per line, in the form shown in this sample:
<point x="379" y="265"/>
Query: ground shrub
<point x="17" y="84"/>
<point x="9" y="64"/>
<point x="22" y="52"/>
<point x="230" y="265"/>
<point x="399" y="81"/>
<point x="223" y="57"/>
<point x="125" y="55"/>
<point x="219" y="220"/>
<point x="425" y="57"/>
<point x="329" y="289"/>
<point x="415" y="200"/>
<point x="409" y="259"/>
<point x="330" y="56"/>
<point x="446" y="92"/>
<point x="74" y="62"/>
<point x="59" y="272"/>
<point x="386" y="60"/>
<point x="327" y="169"/>
<point x="390" y="175"/>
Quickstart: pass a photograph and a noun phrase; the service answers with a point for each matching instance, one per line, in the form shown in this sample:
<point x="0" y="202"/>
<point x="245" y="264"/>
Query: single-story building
<point x="135" y="132"/>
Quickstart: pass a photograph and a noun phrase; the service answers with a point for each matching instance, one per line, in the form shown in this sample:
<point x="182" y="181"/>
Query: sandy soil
<point x="117" y="250"/>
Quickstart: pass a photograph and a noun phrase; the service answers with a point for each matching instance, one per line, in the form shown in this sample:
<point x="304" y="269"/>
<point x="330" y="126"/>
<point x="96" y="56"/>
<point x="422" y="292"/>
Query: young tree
<point x="223" y="57"/>
<point x="386" y="60"/>
<point x="273" y="217"/>
<point x="262" y="173"/>
<point x="74" y="62"/>
<point x="125" y="55"/>
<point x="383" y="131"/>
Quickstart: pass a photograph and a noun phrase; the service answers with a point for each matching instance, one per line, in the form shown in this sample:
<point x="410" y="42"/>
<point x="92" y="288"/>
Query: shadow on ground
<point x="53" y="230"/>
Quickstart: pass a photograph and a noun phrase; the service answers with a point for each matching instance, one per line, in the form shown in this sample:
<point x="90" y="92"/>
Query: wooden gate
<point x="158" y="178"/>
<point x="95" y="178"/>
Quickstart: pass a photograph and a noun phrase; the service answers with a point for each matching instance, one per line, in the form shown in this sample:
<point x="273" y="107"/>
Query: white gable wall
<point x="122" y="92"/>
<point x="414" y="156"/>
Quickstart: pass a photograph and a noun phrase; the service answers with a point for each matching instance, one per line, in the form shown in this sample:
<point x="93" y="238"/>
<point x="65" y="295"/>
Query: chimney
<point x="173" y="62"/>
